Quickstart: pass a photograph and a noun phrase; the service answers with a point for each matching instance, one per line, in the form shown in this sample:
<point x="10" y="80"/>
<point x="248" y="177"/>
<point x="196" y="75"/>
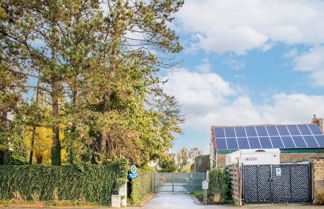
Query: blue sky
<point x="247" y="62"/>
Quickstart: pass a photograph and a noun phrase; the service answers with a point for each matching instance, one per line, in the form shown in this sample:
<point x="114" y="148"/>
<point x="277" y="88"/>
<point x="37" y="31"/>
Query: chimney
<point x="318" y="121"/>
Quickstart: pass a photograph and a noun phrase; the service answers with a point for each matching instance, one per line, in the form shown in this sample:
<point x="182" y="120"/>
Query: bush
<point x="219" y="186"/>
<point x="94" y="184"/>
<point x="199" y="194"/>
<point x="140" y="187"/>
<point x="320" y="197"/>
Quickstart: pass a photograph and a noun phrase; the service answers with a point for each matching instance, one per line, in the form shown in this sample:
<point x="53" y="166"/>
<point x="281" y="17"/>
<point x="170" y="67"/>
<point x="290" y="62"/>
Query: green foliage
<point x="141" y="186"/>
<point x="102" y="83"/>
<point x="199" y="194"/>
<point x="94" y="184"/>
<point x="219" y="186"/>
<point x="17" y="160"/>
<point x="12" y="159"/>
<point x="167" y="163"/>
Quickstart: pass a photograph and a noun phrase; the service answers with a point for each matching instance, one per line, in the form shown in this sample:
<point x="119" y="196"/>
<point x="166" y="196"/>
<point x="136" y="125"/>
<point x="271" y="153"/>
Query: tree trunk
<point x="32" y="144"/>
<point x="69" y="149"/>
<point x="55" y="90"/>
<point x="56" y="145"/>
<point x="104" y="135"/>
<point x="112" y="71"/>
<point x="5" y="124"/>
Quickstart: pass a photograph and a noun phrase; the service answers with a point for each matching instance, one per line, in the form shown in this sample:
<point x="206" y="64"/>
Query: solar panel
<point x="240" y="131"/>
<point x="299" y="141"/>
<point x="250" y="131"/>
<point x="261" y="131"/>
<point x="320" y="140"/>
<point x="314" y="129"/>
<point x="232" y="144"/>
<point x="265" y="142"/>
<point x="229" y="132"/>
<point x="304" y="130"/>
<point x="293" y="130"/>
<point x="288" y="142"/>
<point x="219" y="132"/>
<point x="221" y="144"/>
<point x="277" y="142"/>
<point x="254" y="143"/>
<point x="243" y="143"/>
<point x="311" y="142"/>
<point x="272" y="130"/>
<point x="269" y="136"/>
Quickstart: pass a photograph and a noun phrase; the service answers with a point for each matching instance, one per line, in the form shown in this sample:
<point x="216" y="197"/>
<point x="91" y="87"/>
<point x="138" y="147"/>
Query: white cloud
<point x="192" y="88"/>
<point x="237" y="26"/>
<point x="312" y="62"/>
<point x="205" y="66"/>
<point x="293" y="108"/>
<point x="233" y="63"/>
<point x="292" y="53"/>
<point x="207" y="99"/>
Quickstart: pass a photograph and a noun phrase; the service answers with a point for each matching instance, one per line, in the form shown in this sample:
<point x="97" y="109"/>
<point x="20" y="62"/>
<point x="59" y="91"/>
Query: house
<point x="296" y="142"/>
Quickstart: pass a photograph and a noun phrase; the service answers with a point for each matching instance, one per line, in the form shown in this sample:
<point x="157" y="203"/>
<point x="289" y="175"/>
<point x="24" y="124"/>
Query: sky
<point x="247" y="62"/>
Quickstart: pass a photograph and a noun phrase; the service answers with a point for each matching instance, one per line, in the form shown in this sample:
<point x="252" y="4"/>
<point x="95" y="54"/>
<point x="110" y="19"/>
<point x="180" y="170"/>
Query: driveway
<point x="168" y="200"/>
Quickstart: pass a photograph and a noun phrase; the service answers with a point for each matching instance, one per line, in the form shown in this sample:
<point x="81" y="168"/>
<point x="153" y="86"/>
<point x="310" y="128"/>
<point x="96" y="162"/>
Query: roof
<point x="293" y="136"/>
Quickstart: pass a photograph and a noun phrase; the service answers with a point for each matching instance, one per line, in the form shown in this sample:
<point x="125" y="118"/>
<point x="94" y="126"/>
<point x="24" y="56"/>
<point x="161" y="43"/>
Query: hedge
<point x="219" y="189"/>
<point x="140" y="187"/>
<point x="93" y="183"/>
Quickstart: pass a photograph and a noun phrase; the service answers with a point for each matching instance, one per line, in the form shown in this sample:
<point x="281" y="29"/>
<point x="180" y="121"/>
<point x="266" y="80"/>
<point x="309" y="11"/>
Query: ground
<point x="166" y="200"/>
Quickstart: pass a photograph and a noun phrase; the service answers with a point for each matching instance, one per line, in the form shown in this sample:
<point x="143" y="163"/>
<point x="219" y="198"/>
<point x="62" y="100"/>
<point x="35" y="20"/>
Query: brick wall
<point x="286" y="157"/>
<point x="236" y="183"/>
<point x="318" y="181"/>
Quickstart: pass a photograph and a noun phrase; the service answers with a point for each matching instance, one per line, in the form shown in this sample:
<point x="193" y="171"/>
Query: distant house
<point x="297" y="142"/>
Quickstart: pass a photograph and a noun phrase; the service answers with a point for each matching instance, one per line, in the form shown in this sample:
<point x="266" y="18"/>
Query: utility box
<point x="254" y="157"/>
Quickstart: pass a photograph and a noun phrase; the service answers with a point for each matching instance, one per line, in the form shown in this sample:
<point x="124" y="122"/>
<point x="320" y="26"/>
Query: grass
<point x="199" y="194"/>
<point x="211" y="198"/>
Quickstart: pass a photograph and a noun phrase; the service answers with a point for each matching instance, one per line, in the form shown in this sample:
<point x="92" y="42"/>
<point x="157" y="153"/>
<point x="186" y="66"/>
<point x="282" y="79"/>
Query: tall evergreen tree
<point x="97" y="61"/>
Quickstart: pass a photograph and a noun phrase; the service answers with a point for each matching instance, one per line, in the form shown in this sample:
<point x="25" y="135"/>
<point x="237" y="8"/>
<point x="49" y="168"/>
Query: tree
<point x="97" y="63"/>
<point x="167" y="163"/>
<point x="193" y="153"/>
<point x="185" y="158"/>
<point x="13" y="80"/>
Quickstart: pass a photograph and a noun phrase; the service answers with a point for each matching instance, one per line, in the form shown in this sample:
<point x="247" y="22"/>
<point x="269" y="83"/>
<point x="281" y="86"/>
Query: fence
<point x="277" y="183"/>
<point x="178" y="182"/>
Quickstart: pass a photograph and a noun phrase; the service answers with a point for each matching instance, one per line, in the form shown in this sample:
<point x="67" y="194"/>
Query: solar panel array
<point x="268" y="137"/>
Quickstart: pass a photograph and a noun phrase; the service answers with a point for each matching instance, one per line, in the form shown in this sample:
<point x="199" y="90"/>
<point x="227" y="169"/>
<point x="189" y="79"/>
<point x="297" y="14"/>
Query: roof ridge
<point x="217" y="126"/>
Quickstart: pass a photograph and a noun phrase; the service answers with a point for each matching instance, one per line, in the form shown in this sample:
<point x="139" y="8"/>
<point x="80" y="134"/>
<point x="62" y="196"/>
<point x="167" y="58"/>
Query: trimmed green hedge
<point x="219" y="189"/>
<point x="94" y="184"/>
<point x="141" y="186"/>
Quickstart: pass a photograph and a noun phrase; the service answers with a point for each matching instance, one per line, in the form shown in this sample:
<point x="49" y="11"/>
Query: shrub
<point x="94" y="183"/>
<point x="140" y="187"/>
<point x="219" y="186"/>
<point x="199" y="194"/>
<point x="320" y="197"/>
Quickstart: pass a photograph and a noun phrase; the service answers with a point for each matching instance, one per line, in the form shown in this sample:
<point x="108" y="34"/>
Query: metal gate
<point x="177" y="182"/>
<point x="277" y="183"/>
